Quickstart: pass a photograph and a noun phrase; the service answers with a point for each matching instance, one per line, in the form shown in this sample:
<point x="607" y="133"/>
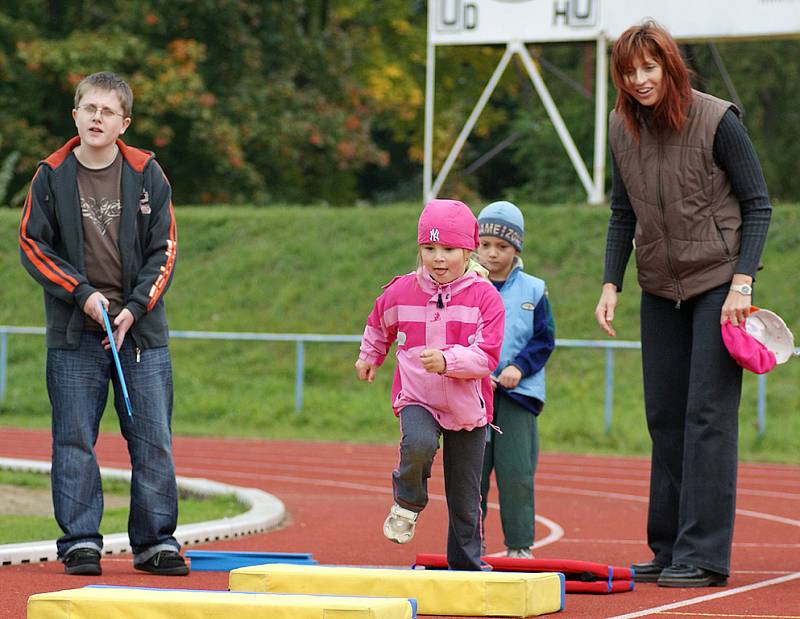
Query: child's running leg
<point x="418" y="445"/>
<point x="463" y="464"/>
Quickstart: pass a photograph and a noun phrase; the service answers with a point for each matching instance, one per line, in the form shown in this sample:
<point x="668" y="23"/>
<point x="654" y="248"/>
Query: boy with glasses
<point x="98" y="229"/>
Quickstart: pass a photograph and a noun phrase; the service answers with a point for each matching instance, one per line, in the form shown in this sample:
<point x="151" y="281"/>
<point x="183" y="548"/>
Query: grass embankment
<point x="24" y="527"/>
<point x="318" y="270"/>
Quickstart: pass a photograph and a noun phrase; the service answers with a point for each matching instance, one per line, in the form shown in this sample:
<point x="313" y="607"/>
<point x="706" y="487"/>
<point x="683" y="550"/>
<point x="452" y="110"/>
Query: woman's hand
<point x="604" y="312"/>
<point x="737" y="305"/>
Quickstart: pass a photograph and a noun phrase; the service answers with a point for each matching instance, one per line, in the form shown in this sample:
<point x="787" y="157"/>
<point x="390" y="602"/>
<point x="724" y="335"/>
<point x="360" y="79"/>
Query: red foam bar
<point x="581" y="576"/>
<point x="599" y="587"/>
<point x="621" y="586"/>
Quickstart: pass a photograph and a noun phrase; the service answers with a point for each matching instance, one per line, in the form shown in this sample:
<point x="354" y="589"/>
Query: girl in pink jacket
<point x="448" y="325"/>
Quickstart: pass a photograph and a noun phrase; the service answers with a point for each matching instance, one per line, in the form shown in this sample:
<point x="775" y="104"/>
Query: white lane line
<point x="709" y="597"/>
<point x="556" y="532"/>
<point x="643" y="499"/>
<point x="594" y="493"/>
<point x="770" y="517"/>
<point x="645" y="483"/>
<point x="772" y="494"/>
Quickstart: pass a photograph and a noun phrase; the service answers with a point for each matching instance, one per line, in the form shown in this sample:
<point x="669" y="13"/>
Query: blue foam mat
<point x="225" y="561"/>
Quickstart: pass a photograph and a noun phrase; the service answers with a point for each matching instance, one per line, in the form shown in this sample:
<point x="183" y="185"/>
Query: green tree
<point x="243" y="101"/>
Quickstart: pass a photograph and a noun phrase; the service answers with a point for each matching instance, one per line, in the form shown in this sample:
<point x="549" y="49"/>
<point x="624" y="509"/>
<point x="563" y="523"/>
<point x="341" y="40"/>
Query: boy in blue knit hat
<point x="519" y="384"/>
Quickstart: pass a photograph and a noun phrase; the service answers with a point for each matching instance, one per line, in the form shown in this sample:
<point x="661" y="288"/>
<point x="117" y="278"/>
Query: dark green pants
<point x="513" y="456"/>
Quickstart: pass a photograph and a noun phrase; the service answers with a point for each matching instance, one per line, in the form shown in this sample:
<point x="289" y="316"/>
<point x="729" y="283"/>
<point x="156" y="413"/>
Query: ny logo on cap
<point x="434" y="235"/>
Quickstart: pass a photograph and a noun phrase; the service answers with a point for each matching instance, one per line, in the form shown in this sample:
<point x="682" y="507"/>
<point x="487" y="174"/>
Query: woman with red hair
<point x="688" y="196"/>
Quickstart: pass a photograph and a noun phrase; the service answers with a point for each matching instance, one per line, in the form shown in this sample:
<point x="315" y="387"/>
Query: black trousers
<point x="692" y="389"/>
<point x="463" y="459"/>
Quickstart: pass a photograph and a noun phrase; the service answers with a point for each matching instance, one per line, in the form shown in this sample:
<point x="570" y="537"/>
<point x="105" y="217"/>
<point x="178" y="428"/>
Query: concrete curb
<point x="266" y="511"/>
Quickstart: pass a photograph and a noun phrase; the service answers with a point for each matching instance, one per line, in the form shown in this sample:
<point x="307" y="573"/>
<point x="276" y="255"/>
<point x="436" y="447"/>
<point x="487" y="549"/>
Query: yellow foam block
<point x="124" y="603"/>
<point x="438" y="592"/>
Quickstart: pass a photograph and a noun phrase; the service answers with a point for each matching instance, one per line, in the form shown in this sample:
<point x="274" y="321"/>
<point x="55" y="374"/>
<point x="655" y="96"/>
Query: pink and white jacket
<point x="463" y="319"/>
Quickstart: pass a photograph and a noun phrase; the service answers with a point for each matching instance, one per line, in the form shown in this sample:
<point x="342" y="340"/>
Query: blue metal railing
<point x="300" y="340"/>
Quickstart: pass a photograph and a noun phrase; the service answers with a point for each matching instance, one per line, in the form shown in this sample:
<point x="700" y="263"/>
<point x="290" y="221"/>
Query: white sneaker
<point x="399" y="524"/>
<point x="519" y="553"/>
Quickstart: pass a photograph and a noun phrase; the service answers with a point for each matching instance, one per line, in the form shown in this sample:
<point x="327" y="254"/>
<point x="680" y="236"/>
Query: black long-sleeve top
<point x="733" y="153"/>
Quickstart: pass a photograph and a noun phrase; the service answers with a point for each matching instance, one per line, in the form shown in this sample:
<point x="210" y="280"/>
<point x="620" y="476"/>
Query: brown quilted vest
<point x="688" y="220"/>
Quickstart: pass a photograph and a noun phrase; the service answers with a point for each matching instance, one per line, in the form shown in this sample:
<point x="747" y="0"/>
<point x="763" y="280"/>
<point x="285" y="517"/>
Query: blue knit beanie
<point x="503" y="220"/>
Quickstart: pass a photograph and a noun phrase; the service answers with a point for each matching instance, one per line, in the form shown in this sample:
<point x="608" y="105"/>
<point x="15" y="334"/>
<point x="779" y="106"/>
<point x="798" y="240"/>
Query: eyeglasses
<point x="106" y="112"/>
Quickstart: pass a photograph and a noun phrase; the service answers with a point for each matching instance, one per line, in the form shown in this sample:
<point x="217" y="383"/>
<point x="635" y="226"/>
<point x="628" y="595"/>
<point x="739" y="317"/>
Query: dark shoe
<point x="679" y="575"/>
<point x="165" y="563"/>
<point x="646" y="572"/>
<point x="83" y="562"/>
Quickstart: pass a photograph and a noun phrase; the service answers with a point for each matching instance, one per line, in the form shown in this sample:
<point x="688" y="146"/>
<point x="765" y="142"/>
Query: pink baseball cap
<point x="761" y="342"/>
<point x="448" y="222"/>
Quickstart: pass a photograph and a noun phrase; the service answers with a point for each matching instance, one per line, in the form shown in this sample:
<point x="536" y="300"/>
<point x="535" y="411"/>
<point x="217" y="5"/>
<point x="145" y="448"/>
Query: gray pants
<point x="692" y="388"/>
<point x="463" y="461"/>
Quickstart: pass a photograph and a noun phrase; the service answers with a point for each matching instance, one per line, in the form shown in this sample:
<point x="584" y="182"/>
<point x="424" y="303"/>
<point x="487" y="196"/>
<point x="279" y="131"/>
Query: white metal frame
<point x="594" y="186"/>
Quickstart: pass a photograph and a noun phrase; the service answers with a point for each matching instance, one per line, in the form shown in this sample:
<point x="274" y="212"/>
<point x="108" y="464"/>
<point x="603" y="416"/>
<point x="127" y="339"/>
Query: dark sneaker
<point x="165" y="563"/>
<point x="680" y="576"/>
<point x="647" y="572"/>
<point x="83" y="562"/>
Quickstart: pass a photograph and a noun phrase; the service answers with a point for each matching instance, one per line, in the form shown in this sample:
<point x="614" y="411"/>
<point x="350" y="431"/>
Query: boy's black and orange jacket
<point x="52" y="245"/>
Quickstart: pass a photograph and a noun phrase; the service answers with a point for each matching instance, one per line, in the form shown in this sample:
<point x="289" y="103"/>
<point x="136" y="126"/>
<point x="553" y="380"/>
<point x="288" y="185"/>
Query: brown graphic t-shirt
<point x="101" y="207"/>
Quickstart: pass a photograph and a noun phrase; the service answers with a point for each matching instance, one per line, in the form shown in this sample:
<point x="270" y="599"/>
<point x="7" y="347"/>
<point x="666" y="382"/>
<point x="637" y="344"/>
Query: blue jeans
<point x="77" y="383"/>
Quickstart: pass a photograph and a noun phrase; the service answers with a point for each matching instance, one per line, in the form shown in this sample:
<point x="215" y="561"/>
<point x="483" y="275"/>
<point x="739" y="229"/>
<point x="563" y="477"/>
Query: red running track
<point x="337" y="495"/>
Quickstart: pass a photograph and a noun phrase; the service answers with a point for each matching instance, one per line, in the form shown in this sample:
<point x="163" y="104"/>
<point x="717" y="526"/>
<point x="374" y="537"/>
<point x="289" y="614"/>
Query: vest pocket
<point x="722" y="238"/>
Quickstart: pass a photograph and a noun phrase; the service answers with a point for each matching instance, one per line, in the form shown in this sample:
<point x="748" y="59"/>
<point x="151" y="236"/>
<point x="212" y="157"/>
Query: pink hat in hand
<point x="448" y="222"/>
<point x="746" y="350"/>
<point x="761" y="342"/>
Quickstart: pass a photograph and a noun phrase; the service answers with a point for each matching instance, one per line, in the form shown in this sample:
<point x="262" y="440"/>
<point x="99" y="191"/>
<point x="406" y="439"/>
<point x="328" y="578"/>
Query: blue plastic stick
<point x="116" y="361"/>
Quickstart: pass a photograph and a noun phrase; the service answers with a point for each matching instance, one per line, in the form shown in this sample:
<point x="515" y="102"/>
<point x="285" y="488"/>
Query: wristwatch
<point x="745" y="289"/>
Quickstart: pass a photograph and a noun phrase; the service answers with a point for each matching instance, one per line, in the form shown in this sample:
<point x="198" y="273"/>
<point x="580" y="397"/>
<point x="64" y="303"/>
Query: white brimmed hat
<point x="769" y="329"/>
